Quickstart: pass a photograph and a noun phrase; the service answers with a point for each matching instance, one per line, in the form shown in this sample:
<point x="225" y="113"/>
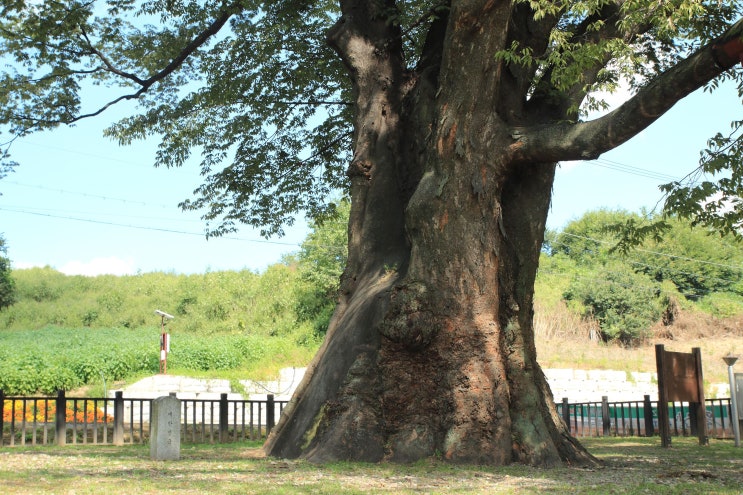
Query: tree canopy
<point x="251" y="87"/>
<point x="7" y="284"/>
<point x="255" y="90"/>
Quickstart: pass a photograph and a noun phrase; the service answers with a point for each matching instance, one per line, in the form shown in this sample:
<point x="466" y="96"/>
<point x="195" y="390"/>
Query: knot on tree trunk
<point x="728" y="53"/>
<point x="410" y="319"/>
<point x="359" y="168"/>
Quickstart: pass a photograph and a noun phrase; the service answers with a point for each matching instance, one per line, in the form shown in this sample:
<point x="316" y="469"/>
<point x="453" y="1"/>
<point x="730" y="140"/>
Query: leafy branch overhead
<point x="255" y="90"/>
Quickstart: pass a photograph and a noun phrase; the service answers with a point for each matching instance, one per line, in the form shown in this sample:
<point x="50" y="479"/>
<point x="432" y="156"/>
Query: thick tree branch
<point x="589" y="140"/>
<point x="145" y="84"/>
<point x="108" y="65"/>
<point x="534" y="36"/>
<point x="609" y="15"/>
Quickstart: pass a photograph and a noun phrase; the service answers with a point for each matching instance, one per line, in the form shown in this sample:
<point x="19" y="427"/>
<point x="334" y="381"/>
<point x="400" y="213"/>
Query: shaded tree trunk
<point x="431" y="348"/>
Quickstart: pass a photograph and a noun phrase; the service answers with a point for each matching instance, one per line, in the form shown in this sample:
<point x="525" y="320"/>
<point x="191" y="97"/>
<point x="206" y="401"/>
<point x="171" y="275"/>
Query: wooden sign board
<point x="680" y="380"/>
<point x="680" y="375"/>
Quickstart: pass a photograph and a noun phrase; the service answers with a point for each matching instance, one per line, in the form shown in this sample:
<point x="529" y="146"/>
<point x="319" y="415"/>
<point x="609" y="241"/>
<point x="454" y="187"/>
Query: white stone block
<point x="558" y="374"/>
<point x="640" y="377"/>
<point x="581" y="375"/>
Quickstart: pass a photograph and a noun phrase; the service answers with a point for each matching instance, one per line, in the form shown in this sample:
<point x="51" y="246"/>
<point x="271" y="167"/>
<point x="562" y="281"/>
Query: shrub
<point x="217" y="353"/>
<point x="722" y="304"/>
<point x="625" y="304"/>
<point x="46" y="411"/>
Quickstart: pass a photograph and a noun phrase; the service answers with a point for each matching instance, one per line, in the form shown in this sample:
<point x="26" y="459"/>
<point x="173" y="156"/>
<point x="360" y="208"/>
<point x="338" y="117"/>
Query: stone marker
<point x="165" y="429"/>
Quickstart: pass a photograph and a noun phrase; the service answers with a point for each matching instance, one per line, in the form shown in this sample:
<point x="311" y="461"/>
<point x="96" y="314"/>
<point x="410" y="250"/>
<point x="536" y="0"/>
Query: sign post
<point x="164" y="341"/>
<point x="680" y="380"/>
<point x="165" y="429"/>
<point x="734" y="416"/>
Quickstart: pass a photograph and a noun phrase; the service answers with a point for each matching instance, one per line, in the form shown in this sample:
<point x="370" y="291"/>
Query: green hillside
<point x="66" y="331"/>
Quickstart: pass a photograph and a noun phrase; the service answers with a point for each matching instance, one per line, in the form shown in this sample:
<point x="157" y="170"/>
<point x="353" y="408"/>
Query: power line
<point x="596" y="281"/>
<point x="56" y="211"/>
<point x="600" y="162"/>
<point x="86" y="194"/>
<point x="658" y="253"/>
<point x="641" y="264"/>
<point x="632" y="170"/>
<point x="170" y="231"/>
<point x="264" y="241"/>
<point x="666" y="269"/>
<point x="109" y="158"/>
<point x="143" y="227"/>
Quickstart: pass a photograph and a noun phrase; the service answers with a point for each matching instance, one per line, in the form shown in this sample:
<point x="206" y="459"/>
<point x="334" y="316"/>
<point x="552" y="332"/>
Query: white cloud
<point x="614" y="100"/>
<point x="569" y="165"/>
<point x="23" y="265"/>
<point x="100" y="266"/>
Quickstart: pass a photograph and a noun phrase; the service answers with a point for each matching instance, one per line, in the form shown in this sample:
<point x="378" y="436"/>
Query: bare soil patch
<point x="716" y="337"/>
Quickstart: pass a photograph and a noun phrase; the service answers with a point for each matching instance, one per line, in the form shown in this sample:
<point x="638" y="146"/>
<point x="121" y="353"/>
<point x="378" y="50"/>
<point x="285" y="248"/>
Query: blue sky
<point x="628" y="176"/>
<point x="83" y="205"/>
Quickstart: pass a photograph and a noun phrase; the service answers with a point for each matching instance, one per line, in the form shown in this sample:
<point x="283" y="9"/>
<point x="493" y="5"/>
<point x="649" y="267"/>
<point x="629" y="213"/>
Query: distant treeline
<point x="294" y="297"/>
<point x="69" y="331"/>
<point x="62" y="331"/>
<point x="272" y="303"/>
<point x="627" y="272"/>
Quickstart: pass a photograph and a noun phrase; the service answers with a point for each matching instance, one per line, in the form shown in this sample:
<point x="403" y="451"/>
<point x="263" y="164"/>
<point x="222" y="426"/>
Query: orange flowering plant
<point x="45" y="411"/>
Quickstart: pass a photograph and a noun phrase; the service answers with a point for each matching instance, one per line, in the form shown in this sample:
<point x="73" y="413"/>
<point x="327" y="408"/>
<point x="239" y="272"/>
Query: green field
<point x="53" y="358"/>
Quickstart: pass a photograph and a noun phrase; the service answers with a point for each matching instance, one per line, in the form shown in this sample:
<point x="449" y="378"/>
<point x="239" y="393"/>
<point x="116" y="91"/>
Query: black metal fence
<point x="118" y="421"/>
<point x="640" y="418"/>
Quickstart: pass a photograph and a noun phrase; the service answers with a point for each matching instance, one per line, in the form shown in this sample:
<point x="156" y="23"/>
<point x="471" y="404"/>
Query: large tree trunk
<point x="431" y="348"/>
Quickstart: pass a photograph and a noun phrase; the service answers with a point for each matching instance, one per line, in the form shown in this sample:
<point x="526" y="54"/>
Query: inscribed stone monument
<point x="165" y="429"/>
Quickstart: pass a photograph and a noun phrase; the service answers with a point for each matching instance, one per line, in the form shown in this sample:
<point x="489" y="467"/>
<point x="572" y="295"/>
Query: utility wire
<point x="658" y="253"/>
<point x="665" y="269"/>
<point x="596" y="281"/>
<point x="263" y="241"/>
<point x="629" y="169"/>
<point x="600" y="162"/>
<point x="56" y="211"/>
<point x="85" y="194"/>
<point x="142" y="227"/>
<point x="108" y="158"/>
<point x="161" y="229"/>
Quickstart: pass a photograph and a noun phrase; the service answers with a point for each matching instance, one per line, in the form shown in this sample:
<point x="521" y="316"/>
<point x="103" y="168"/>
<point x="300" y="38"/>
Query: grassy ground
<point x="634" y="466"/>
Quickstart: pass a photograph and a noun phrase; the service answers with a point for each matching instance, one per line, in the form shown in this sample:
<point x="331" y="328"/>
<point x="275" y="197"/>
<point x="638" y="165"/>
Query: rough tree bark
<point x="431" y="348"/>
